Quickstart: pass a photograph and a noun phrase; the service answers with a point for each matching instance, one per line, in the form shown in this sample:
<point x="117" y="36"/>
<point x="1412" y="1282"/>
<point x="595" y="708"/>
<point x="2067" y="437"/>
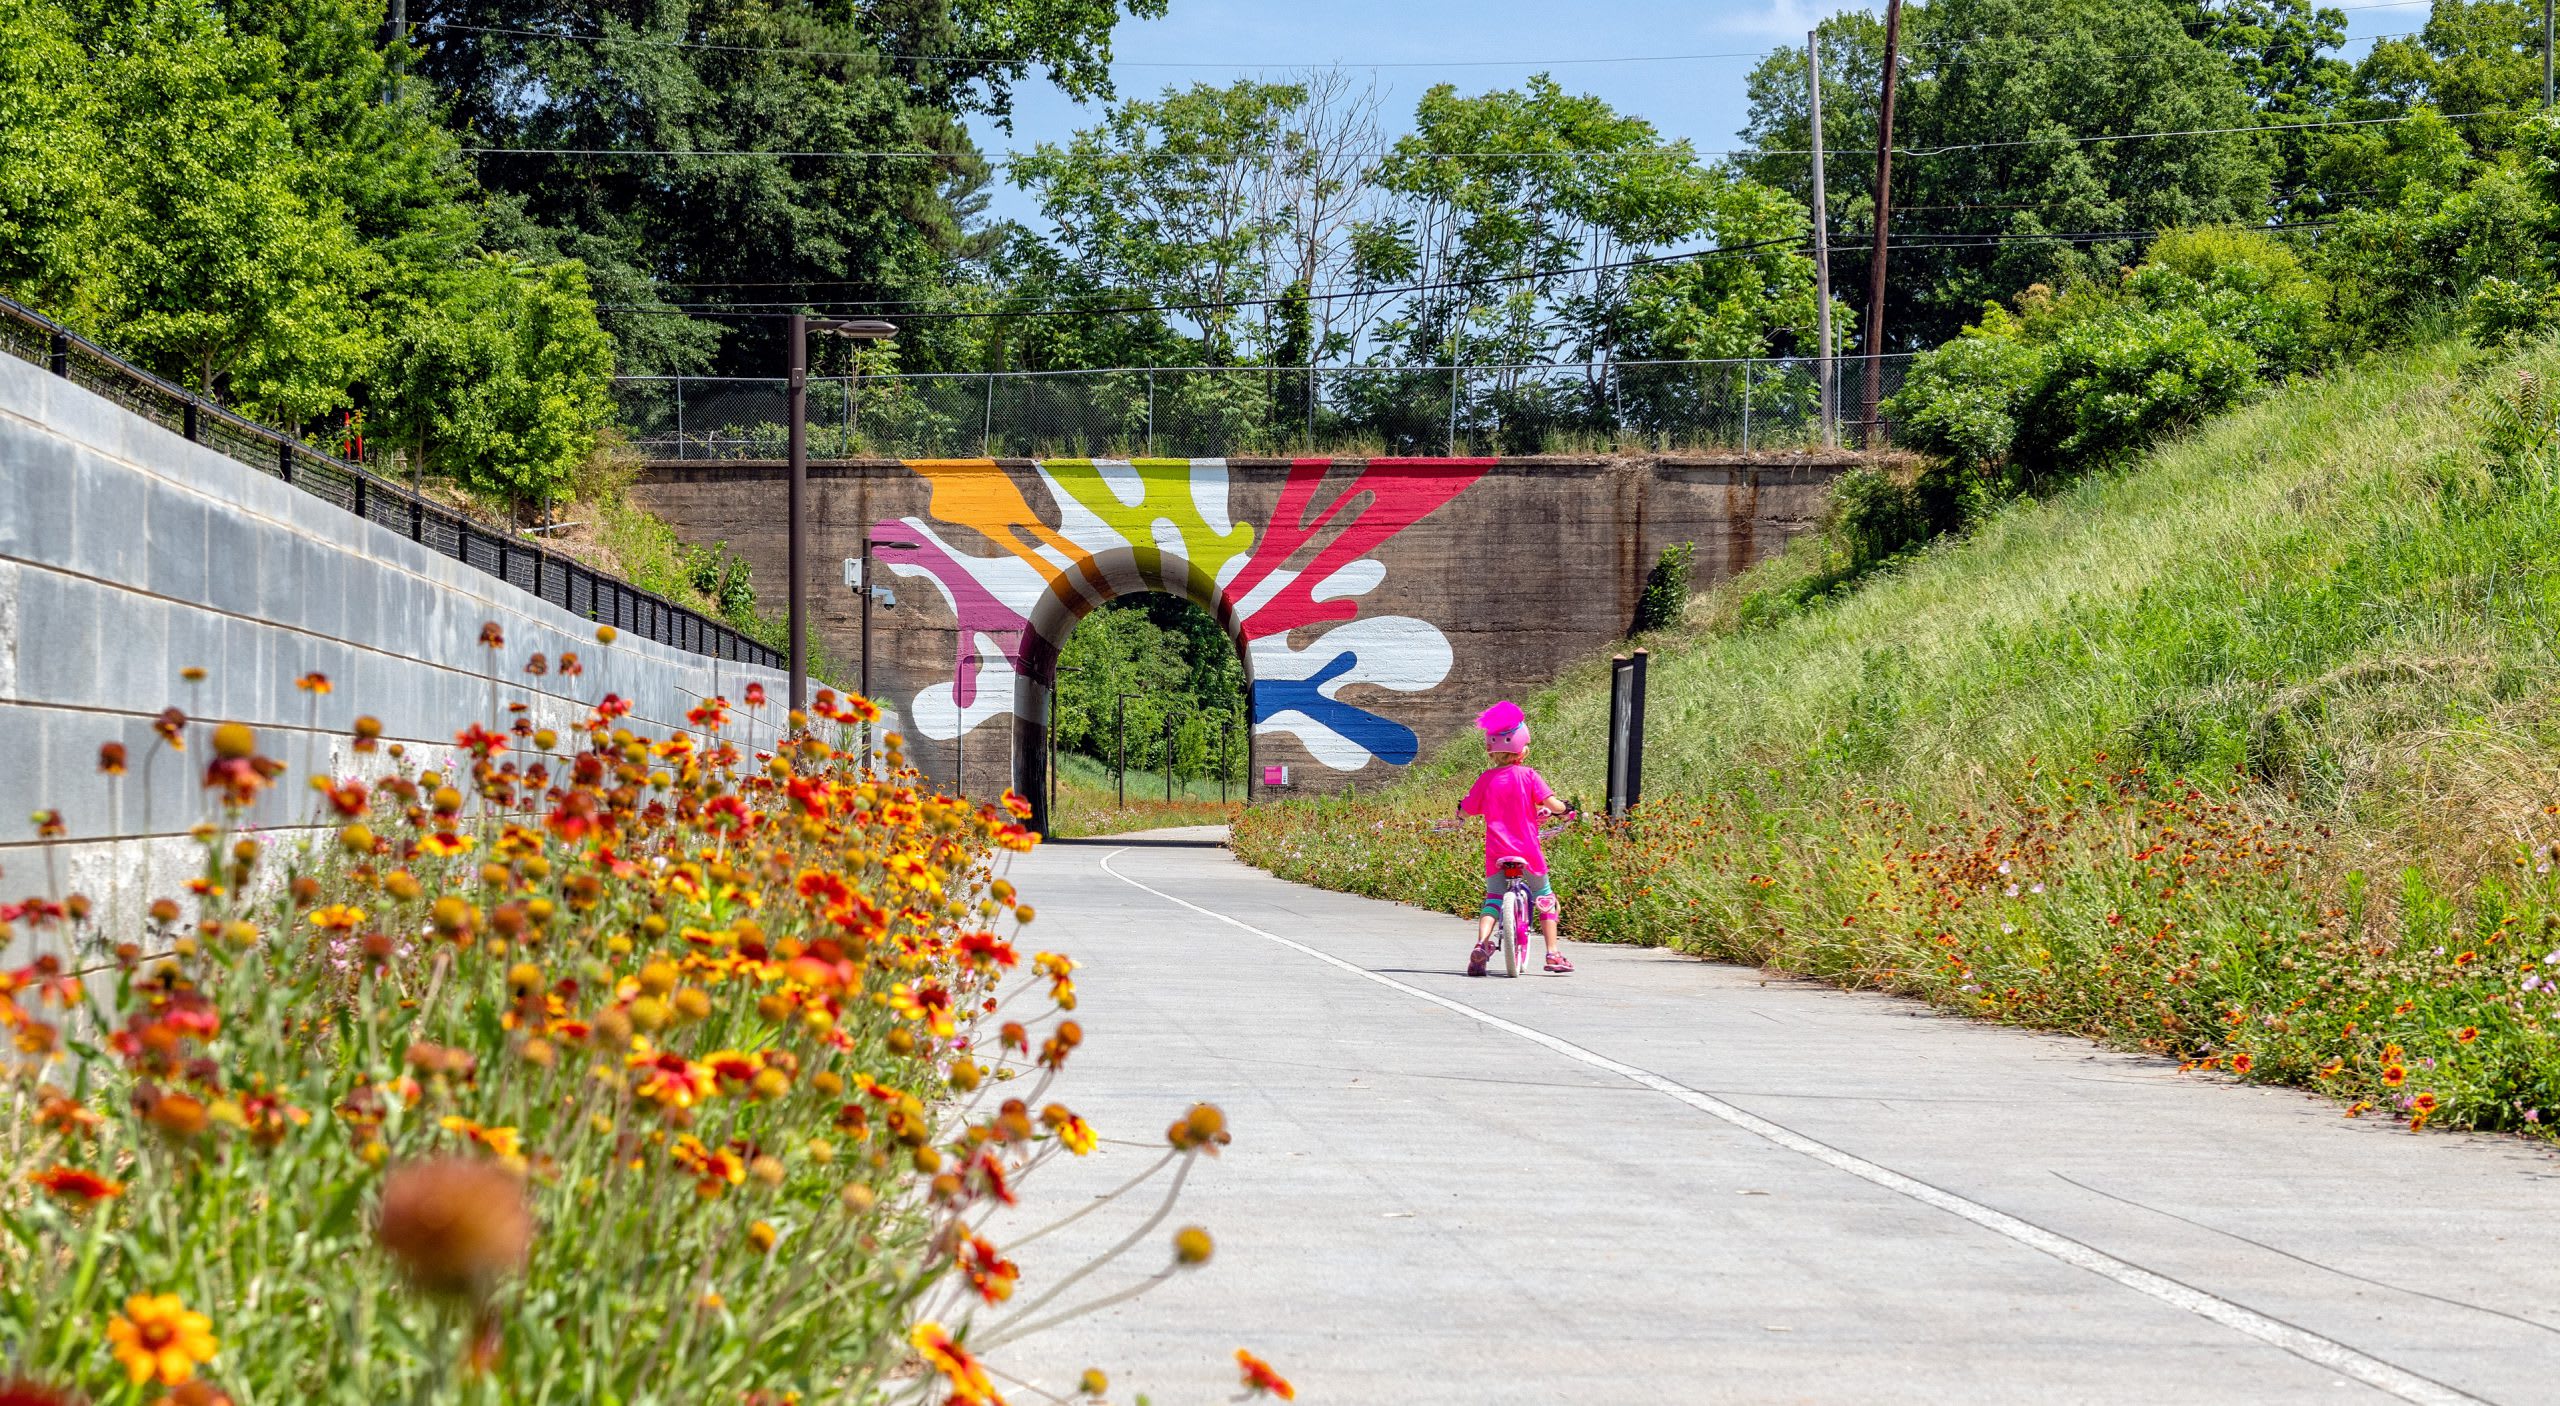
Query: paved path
<point x="1661" y="1180"/>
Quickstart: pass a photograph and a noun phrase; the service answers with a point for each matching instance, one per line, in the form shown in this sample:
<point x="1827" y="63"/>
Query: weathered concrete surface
<point x="128" y="554"/>
<point x="1421" y="1209"/>
<point x="1378" y="604"/>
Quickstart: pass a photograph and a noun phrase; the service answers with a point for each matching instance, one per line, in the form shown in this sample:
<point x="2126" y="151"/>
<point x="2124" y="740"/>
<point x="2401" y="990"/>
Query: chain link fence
<point x="1754" y="403"/>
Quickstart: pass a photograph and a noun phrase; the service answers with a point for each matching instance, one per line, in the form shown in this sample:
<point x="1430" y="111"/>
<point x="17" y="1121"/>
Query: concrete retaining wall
<point x="1378" y="604"/>
<point x="128" y="554"/>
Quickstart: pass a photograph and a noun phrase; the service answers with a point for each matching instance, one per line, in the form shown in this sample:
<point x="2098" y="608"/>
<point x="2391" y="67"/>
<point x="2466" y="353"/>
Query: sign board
<point x="1275" y="776"/>
<point x="853" y="573"/>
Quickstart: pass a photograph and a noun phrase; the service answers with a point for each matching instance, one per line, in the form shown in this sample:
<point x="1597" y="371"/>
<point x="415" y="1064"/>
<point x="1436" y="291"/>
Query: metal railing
<point x="1749" y="403"/>
<point x="529" y="566"/>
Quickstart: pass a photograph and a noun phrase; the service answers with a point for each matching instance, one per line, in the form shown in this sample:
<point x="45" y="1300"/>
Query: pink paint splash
<point x="977" y="609"/>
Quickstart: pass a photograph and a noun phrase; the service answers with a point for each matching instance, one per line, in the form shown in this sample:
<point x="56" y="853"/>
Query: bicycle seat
<point x="1512" y="866"/>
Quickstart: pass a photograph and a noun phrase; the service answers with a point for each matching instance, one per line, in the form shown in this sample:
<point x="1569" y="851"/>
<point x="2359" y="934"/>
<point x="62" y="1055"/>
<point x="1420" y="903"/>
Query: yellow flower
<point x="159" y="1340"/>
<point x="338" y="917"/>
<point x="960" y="1370"/>
<point x="1078" y="1135"/>
<point x="445" y="844"/>
<point x="505" y="1144"/>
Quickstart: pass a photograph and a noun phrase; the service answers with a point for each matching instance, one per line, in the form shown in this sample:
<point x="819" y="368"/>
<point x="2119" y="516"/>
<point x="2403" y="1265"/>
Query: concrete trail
<point x="1664" y="1180"/>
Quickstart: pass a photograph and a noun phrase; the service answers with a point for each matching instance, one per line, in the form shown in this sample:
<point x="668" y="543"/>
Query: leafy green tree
<point x="665" y="83"/>
<point x="505" y="376"/>
<point x="2281" y="50"/>
<point x="2481" y="59"/>
<point x="222" y="258"/>
<point x="52" y="152"/>
<point x="1511" y="190"/>
<point x="1170" y="197"/>
<point x="1999" y="186"/>
<point x="1173" y="661"/>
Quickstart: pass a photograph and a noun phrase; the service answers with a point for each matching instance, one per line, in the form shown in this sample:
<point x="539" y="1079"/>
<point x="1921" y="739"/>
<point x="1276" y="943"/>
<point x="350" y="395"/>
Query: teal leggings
<point x="1542" y="895"/>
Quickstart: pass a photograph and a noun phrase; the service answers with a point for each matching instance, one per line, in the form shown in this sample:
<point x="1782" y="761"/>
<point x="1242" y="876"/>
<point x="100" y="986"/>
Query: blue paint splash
<point x="1390" y="742"/>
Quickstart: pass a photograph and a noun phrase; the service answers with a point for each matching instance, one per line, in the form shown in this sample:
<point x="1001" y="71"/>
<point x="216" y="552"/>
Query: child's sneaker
<point x="1558" y="964"/>
<point x="1477" y="958"/>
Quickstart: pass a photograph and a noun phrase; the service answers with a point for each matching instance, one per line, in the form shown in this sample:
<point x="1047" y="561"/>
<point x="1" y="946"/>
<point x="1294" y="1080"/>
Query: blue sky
<point x="1481" y="45"/>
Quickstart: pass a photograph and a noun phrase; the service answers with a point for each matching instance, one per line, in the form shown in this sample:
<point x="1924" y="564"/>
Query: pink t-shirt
<point x="1509" y="798"/>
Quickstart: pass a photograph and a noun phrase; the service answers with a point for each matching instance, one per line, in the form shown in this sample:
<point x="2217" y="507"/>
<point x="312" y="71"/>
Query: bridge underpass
<point x="1377" y="604"/>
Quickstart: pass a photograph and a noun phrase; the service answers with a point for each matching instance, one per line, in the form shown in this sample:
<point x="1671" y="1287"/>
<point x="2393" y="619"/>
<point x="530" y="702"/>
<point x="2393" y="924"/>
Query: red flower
<point x="990" y="1273"/>
<point x="74" y="1184"/>
<point x="481" y="742"/>
<point x="755" y="695"/>
<point x="1258" y="1377"/>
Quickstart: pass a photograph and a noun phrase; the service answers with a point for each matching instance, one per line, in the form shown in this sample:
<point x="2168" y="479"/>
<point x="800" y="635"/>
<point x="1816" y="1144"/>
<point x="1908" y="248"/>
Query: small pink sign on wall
<point x="1275" y="776"/>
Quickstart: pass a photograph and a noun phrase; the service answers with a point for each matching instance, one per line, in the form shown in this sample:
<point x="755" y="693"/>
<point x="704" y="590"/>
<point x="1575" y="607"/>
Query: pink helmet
<point x="1506" y="729"/>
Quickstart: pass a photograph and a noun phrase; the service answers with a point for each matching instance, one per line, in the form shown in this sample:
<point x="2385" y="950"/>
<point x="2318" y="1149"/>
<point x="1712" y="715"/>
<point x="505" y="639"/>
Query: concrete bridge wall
<point x="1378" y="604"/>
<point x="128" y="554"/>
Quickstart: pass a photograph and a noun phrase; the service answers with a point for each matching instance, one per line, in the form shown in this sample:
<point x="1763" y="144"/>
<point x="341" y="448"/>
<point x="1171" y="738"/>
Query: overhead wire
<point x="1919" y="241"/>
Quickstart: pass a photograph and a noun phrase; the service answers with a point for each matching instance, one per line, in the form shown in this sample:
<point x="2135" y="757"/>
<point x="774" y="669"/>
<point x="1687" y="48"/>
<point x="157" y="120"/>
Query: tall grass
<point x="2261" y="729"/>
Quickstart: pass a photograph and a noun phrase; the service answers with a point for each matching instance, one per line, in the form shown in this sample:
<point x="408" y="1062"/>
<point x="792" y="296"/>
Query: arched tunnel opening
<point x="1148" y="720"/>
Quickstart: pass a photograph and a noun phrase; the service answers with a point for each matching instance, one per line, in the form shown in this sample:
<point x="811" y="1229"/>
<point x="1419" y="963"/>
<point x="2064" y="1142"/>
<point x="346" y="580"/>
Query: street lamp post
<point x="861" y="329"/>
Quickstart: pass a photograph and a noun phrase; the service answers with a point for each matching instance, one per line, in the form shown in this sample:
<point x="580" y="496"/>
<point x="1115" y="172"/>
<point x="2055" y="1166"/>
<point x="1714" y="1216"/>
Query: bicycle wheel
<point x="1509" y="933"/>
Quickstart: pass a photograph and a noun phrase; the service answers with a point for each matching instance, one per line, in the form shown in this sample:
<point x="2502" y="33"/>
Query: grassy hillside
<point x="2245" y="754"/>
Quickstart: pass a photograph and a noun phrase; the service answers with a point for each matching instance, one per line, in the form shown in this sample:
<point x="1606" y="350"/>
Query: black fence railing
<point x="527" y="565"/>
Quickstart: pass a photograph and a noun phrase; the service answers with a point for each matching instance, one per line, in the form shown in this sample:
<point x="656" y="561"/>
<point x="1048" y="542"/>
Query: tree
<point x="505" y="376"/>
<point x="2481" y="59"/>
<point x="657" y="87"/>
<point x="52" y="157"/>
<point x="1210" y="196"/>
<point x="222" y="258"/>
<point x="1508" y="193"/>
<point x="2000" y="184"/>
<point x="2279" y="50"/>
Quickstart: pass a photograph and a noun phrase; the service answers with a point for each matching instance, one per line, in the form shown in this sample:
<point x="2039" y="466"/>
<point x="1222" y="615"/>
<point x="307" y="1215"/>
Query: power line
<point x="1206" y="305"/>
<point x="1913" y="242"/>
<point x="1671" y="149"/>
<point x="1263" y="65"/>
<point x="795" y="51"/>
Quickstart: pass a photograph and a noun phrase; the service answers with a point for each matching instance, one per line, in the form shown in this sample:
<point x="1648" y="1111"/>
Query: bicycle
<point x="1517" y="906"/>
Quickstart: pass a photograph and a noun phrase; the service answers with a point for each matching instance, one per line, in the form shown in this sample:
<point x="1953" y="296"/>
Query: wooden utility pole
<point x="1884" y="218"/>
<point x="1821" y="245"/>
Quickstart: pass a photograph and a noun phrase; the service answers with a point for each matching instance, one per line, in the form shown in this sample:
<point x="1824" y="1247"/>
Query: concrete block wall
<point x="1378" y="604"/>
<point x="128" y="554"/>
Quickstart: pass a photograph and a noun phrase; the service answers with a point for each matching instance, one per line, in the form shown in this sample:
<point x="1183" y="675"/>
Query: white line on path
<point x="2275" y="1332"/>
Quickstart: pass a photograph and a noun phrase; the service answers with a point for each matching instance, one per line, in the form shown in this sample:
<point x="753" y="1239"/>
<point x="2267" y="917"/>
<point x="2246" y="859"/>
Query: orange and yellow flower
<point x="961" y="1372"/>
<point x="337" y="917"/>
<point x="159" y="1339"/>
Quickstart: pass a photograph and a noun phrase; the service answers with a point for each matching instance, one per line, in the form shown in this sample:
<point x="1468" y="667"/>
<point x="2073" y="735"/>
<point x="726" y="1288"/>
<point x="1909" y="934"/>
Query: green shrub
<point x="2117" y="382"/>
<point x="1666" y="589"/>
<point x="2506" y="314"/>
<point x="1962" y="401"/>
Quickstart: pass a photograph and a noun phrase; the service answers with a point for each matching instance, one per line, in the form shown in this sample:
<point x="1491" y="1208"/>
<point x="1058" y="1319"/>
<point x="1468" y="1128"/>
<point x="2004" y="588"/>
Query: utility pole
<point x="1884" y="218"/>
<point x="1168" y="759"/>
<point x="1821" y="243"/>
<point x="861" y="329"/>
<point x="2546" y="54"/>
<point x="798" y="391"/>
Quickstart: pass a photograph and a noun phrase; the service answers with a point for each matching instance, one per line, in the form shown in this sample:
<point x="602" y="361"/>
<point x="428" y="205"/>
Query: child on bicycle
<point x="1512" y="798"/>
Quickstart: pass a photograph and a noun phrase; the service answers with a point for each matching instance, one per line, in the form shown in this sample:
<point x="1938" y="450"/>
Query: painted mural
<point x="1290" y="590"/>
